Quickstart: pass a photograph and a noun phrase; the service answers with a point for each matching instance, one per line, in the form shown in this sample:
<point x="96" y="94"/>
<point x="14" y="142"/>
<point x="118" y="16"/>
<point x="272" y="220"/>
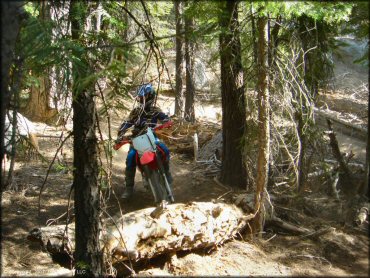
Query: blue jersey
<point x="139" y="119"/>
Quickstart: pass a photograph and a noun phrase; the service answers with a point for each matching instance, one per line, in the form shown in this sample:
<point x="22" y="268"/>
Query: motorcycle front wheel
<point x="157" y="184"/>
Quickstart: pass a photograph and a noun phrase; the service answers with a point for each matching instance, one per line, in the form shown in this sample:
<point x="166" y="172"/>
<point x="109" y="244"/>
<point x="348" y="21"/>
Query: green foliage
<point x="36" y="45"/>
<point x="81" y="265"/>
<point x="31" y="9"/>
<point x="61" y="168"/>
<point x="330" y="12"/>
<point x="359" y="27"/>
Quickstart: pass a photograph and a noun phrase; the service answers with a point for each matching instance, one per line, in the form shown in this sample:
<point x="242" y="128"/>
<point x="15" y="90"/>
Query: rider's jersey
<point x="141" y="118"/>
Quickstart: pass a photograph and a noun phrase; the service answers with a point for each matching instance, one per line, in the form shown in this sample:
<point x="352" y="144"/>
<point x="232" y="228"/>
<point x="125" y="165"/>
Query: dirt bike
<point x="149" y="158"/>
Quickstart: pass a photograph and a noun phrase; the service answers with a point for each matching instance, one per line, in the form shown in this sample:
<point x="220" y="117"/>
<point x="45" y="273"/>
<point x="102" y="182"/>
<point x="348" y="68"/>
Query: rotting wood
<point x="178" y="227"/>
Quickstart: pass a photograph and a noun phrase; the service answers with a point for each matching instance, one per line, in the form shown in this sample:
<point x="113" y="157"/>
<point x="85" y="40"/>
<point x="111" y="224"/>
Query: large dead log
<point x="180" y="137"/>
<point x="138" y="235"/>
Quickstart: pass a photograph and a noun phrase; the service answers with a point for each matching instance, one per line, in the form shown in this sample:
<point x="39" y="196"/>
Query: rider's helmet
<point x="146" y="95"/>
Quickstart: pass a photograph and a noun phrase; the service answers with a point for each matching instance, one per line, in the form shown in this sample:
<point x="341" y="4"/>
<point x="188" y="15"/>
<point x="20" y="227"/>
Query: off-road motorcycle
<point x="149" y="159"/>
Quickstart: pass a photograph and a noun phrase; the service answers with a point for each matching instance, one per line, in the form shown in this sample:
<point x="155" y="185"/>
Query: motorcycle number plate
<point x="145" y="142"/>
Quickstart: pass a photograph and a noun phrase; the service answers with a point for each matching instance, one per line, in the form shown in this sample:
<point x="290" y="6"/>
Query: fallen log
<point x="285" y="226"/>
<point x="137" y="235"/>
<point x="345" y="127"/>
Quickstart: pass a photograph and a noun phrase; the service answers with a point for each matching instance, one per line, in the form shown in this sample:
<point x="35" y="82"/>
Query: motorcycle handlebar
<point x="127" y="140"/>
<point x="165" y="125"/>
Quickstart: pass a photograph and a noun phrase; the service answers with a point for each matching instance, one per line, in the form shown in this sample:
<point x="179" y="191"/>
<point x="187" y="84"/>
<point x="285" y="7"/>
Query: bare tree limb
<point x="49" y="169"/>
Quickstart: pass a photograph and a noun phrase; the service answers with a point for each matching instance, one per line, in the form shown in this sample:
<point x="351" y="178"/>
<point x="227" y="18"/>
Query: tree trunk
<point x="38" y="107"/>
<point x="254" y="36"/>
<point x="365" y="189"/>
<point x="189" y="60"/>
<point x="11" y="17"/>
<point x="15" y="93"/>
<point x="233" y="171"/>
<point x="263" y="126"/>
<point x="88" y="258"/>
<point x="179" y="98"/>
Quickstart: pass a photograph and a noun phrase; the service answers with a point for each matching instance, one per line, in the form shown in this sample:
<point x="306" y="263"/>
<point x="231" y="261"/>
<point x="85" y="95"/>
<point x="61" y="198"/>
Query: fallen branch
<point x="288" y="227"/>
<point x="318" y="232"/>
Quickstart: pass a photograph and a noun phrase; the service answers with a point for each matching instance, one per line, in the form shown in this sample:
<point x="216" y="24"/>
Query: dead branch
<point x="287" y="227"/>
<point x="336" y="151"/>
<point x="318" y="233"/>
<point x="49" y="169"/>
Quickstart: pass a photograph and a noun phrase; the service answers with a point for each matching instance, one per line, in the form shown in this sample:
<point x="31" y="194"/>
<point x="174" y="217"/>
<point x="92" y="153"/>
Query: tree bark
<point x="88" y="258"/>
<point x="254" y="34"/>
<point x="15" y="93"/>
<point x="189" y="60"/>
<point x="11" y="18"/>
<point x="38" y="107"/>
<point x="365" y="189"/>
<point x="263" y="126"/>
<point x="233" y="171"/>
<point x="179" y="97"/>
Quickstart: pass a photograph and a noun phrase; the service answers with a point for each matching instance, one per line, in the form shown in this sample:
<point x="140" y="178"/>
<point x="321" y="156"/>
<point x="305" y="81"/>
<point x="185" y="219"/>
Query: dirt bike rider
<point x="145" y="115"/>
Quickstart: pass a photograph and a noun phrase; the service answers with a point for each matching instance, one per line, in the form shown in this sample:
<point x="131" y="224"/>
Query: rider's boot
<point x="130" y="181"/>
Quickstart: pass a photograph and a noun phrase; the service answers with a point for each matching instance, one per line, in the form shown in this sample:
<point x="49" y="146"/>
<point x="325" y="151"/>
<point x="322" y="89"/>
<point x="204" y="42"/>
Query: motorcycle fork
<point x="146" y="172"/>
<point x="163" y="173"/>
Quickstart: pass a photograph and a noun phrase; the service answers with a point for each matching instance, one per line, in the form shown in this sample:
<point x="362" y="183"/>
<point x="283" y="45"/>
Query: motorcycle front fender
<point x="147" y="158"/>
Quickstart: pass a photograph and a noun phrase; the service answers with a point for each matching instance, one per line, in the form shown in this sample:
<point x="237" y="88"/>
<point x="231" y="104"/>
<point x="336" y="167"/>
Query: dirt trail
<point x="344" y="251"/>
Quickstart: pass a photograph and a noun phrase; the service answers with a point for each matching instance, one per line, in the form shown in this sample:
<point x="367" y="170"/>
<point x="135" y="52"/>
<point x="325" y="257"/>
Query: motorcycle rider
<point x="146" y="114"/>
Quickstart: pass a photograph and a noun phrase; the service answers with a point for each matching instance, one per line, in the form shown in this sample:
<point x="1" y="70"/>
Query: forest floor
<point x="343" y="250"/>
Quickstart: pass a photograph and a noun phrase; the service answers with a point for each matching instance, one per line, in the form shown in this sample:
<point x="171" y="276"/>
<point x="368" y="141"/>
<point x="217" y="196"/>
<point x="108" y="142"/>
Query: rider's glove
<point x="120" y="137"/>
<point x="118" y="140"/>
